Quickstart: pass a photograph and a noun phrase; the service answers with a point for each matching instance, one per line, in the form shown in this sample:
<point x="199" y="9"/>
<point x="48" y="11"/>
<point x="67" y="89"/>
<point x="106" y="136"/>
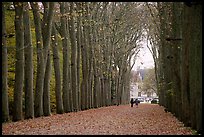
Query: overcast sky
<point x="144" y="59"/>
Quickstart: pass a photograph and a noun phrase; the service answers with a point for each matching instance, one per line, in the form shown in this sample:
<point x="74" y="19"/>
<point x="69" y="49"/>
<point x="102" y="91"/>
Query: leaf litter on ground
<point x="147" y="119"/>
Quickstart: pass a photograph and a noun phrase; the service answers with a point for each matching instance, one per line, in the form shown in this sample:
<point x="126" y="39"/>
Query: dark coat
<point x="136" y="101"/>
<point x="131" y="101"/>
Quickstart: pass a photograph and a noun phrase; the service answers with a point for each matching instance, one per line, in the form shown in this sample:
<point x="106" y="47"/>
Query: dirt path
<point x="147" y="119"/>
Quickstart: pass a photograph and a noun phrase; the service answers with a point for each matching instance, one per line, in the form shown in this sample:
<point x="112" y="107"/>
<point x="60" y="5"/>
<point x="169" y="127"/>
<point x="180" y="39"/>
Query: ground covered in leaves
<point x="147" y="119"/>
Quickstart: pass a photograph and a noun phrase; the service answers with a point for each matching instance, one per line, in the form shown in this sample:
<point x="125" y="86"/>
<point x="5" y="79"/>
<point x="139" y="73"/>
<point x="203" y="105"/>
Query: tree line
<point x="97" y="41"/>
<point x="175" y="34"/>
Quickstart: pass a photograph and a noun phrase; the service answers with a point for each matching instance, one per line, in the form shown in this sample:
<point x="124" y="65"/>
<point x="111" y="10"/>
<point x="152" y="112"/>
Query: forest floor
<point x="147" y="119"/>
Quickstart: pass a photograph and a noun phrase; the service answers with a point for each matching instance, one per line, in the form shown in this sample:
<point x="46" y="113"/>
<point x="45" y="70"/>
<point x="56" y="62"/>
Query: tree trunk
<point x="5" y="104"/>
<point x="185" y="89"/>
<point x="195" y="65"/>
<point x="176" y="26"/>
<point x="47" y="30"/>
<point x="79" y="37"/>
<point x="38" y="102"/>
<point x="65" y="84"/>
<point x="162" y="96"/>
<point x="73" y="59"/>
<point x="19" y="65"/>
<point x="58" y="90"/>
<point x="29" y="100"/>
<point x="84" y="55"/>
<point x="46" y="93"/>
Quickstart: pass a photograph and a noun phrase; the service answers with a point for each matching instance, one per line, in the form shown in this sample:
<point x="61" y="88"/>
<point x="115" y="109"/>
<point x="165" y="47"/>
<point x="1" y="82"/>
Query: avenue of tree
<point x="91" y="46"/>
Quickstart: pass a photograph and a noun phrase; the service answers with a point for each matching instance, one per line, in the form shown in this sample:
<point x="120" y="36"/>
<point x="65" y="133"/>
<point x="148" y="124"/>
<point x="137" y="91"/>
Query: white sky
<point x="145" y="57"/>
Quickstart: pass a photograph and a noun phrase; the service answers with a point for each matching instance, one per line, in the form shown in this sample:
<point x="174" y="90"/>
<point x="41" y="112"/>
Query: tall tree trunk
<point x="19" y="65"/>
<point x="84" y="84"/>
<point x="80" y="53"/>
<point x="176" y="26"/>
<point x="58" y="90"/>
<point x="46" y="93"/>
<point x="65" y="84"/>
<point x="96" y="82"/>
<point x="79" y="37"/>
<point x="195" y="65"/>
<point x="185" y="86"/>
<point x="38" y="101"/>
<point x="29" y="100"/>
<point x="73" y="59"/>
<point x="47" y="30"/>
<point x="84" y="55"/>
<point x="5" y="104"/>
<point x="162" y="96"/>
<point x="87" y="45"/>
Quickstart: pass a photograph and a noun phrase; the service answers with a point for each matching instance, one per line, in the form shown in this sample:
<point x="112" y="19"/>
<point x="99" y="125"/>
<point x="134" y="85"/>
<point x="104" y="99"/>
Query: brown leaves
<point x="147" y="119"/>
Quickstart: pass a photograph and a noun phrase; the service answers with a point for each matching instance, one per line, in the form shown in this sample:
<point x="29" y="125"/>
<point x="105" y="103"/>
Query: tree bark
<point x="5" y="104"/>
<point x="73" y="59"/>
<point x="46" y="31"/>
<point x="29" y="100"/>
<point x="38" y="101"/>
<point x="46" y="92"/>
<point x="65" y="84"/>
<point x="19" y="64"/>
<point x="58" y="89"/>
<point x="176" y="26"/>
<point x="185" y="86"/>
<point x="84" y="55"/>
<point x="79" y="37"/>
<point x="195" y="65"/>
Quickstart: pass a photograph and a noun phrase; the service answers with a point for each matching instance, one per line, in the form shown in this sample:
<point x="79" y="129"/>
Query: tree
<point x="149" y="82"/>
<point x="46" y="92"/>
<point x="66" y="65"/>
<point x="79" y="37"/>
<point x="47" y="30"/>
<point x="19" y="64"/>
<point x="5" y="106"/>
<point x="179" y="43"/>
<point x="38" y="102"/>
<point x="153" y="37"/>
<point x="43" y="42"/>
<point x="29" y="104"/>
<point x="73" y="59"/>
<point x="98" y="41"/>
<point x="58" y="89"/>
<point x="84" y="84"/>
<point x="194" y="13"/>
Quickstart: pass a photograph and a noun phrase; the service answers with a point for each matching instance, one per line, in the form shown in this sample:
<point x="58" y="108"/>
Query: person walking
<point x="136" y="102"/>
<point x="132" y="102"/>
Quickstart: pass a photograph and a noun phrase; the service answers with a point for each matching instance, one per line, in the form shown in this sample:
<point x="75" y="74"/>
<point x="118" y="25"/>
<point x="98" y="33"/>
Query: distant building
<point x="135" y="87"/>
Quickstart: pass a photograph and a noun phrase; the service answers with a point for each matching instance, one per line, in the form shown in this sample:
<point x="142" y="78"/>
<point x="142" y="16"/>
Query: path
<point x="113" y="120"/>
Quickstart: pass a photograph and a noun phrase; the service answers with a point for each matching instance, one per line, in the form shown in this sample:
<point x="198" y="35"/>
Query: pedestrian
<point x="136" y="102"/>
<point x="132" y="102"/>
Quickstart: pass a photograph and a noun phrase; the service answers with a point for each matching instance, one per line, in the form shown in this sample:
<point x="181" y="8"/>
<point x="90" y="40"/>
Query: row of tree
<point x="175" y="33"/>
<point x="97" y="41"/>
